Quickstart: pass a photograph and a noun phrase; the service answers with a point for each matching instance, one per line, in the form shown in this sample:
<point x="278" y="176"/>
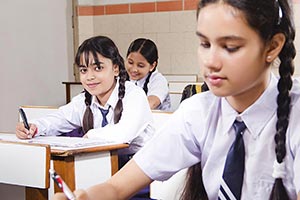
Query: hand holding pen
<point x="62" y="185"/>
<point x="24" y="130"/>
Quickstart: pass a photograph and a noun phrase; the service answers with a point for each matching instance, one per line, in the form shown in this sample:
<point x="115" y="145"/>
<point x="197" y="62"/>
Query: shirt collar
<point x="263" y="108"/>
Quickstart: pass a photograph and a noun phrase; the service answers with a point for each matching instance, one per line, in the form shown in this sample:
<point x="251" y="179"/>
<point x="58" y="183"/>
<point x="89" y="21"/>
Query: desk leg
<point x="114" y="162"/>
<point x="36" y="194"/>
<point x="64" y="166"/>
<point x="68" y="93"/>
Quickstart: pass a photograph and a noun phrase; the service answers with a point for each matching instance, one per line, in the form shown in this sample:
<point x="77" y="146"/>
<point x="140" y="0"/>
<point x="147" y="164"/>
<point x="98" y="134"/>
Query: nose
<point x="90" y="75"/>
<point x="211" y="59"/>
<point x="135" y="69"/>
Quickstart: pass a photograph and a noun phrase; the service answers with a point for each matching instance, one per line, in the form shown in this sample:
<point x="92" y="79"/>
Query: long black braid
<point x="107" y="48"/>
<point x="286" y="70"/>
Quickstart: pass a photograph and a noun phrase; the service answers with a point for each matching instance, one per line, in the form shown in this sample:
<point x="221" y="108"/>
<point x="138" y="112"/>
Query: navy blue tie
<point x="233" y="174"/>
<point x="104" y="113"/>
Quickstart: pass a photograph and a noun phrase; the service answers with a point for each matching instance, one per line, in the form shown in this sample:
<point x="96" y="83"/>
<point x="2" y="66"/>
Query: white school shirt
<point x="201" y="130"/>
<point x="157" y="86"/>
<point x="135" y="126"/>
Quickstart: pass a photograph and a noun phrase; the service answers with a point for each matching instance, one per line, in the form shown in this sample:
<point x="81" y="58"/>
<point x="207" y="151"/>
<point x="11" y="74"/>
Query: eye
<point x="141" y="66"/>
<point x="82" y="70"/>
<point x="205" y="44"/>
<point x="98" y="68"/>
<point x="231" y="48"/>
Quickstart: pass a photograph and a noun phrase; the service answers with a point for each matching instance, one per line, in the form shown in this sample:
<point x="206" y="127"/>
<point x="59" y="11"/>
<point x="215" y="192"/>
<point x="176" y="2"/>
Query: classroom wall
<point x="171" y="24"/>
<point x="36" y="55"/>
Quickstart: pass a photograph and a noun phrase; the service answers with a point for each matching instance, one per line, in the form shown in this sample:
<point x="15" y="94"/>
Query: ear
<point x="275" y="46"/>
<point x="116" y="70"/>
<point x="153" y="66"/>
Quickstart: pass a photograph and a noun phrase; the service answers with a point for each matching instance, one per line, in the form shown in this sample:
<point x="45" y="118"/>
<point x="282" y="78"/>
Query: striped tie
<point x="232" y="179"/>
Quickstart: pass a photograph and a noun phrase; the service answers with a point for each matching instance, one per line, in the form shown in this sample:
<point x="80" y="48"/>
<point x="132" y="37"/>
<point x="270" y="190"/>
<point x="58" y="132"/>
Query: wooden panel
<point x="64" y="166"/>
<point x="36" y="194"/>
<point x="114" y="162"/>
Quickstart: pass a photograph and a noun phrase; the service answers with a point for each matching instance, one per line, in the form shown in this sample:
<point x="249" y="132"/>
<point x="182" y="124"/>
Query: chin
<point x="219" y="93"/>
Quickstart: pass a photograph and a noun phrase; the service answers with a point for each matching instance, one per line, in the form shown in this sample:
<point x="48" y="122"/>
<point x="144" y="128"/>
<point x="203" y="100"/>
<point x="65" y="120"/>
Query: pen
<point x="24" y="118"/>
<point x="61" y="184"/>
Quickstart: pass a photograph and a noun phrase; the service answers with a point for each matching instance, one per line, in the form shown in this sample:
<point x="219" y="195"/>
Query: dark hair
<point x="148" y="49"/>
<point x="107" y="48"/>
<point x="267" y="18"/>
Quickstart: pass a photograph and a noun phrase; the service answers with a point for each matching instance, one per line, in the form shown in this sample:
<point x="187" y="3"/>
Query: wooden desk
<point x="72" y="87"/>
<point x="80" y="168"/>
<point x="66" y="163"/>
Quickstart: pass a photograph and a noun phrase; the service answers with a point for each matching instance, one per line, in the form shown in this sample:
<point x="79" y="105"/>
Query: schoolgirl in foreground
<point x="141" y="65"/>
<point x="238" y="41"/>
<point x="110" y="107"/>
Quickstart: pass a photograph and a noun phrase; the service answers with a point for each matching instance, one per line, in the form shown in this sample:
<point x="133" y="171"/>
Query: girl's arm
<point x="154" y="101"/>
<point x="124" y="184"/>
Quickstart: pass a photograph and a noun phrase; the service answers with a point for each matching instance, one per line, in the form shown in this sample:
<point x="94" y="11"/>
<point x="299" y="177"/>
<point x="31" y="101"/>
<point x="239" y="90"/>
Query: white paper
<point x="59" y="142"/>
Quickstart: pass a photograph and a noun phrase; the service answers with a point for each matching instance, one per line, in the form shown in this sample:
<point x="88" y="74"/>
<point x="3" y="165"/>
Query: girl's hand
<point x="23" y="133"/>
<point x="79" y="194"/>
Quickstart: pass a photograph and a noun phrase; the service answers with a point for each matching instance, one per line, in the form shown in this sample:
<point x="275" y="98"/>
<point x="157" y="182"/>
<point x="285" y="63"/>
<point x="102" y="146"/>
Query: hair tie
<point x="280" y="13"/>
<point x="279" y="169"/>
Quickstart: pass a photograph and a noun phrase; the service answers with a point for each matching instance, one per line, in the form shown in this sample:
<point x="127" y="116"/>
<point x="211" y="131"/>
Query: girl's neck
<point x="244" y="100"/>
<point x="103" y="98"/>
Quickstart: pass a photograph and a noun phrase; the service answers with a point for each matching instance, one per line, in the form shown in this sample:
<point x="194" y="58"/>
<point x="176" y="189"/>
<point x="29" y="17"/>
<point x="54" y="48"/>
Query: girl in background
<point x="110" y="108"/>
<point x="246" y="103"/>
<point x="141" y="65"/>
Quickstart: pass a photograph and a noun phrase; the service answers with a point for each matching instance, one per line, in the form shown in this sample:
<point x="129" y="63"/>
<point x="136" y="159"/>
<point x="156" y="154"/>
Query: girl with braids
<point x="103" y="75"/>
<point x="141" y="65"/>
<point x="238" y="41"/>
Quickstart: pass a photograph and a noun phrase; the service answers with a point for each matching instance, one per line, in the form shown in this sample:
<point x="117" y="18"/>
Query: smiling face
<point x="137" y="66"/>
<point x="232" y="58"/>
<point x="98" y="78"/>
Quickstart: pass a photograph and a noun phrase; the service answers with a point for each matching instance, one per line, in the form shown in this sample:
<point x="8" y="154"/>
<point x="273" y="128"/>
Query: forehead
<point x="89" y="57"/>
<point x="136" y="56"/>
<point x="221" y="20"/>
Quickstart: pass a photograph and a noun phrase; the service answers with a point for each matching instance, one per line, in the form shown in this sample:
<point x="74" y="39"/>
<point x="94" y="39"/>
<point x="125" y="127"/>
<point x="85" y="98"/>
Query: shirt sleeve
<point x="173" y="148"/>
<point x="158" y="86"/>
<point x="65" y="119"/>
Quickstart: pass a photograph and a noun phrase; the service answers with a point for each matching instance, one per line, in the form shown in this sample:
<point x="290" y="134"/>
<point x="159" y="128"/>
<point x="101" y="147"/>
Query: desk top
<point x="66" y="146"/>
<point x="71" y="83"/>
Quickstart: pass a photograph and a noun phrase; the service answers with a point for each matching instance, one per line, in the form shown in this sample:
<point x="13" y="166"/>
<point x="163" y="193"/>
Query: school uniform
<point x="135" y="126"/>
<point x="157" y="86"/>
<point x="201" y="130"/>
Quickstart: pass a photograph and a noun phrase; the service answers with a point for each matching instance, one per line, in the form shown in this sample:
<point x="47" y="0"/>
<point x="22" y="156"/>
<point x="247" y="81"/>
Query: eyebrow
<point x="229" y="37"/>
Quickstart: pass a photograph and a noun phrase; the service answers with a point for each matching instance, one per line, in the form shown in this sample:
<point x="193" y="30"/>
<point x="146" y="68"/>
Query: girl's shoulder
<point x="130" y="87"/>
<point x="201" y="101"/>
<point x="78" y="99"/>
<point x="157" y="76"/>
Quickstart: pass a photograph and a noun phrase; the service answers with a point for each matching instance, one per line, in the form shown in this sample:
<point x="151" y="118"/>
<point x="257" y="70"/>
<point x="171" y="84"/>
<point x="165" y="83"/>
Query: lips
<point x="215" y="80"/>
<point x="92" y="85"/>
<point x="133" y="75"/>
